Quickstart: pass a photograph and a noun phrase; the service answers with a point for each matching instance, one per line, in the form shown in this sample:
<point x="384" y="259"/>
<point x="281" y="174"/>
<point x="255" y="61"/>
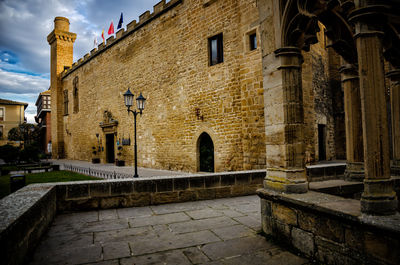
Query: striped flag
<point x="102" y="36"/>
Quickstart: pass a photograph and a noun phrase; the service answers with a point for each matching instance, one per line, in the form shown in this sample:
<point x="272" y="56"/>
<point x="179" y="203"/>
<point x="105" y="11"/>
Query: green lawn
<point x="44" y="177"/>
<point x="10" y="167"/>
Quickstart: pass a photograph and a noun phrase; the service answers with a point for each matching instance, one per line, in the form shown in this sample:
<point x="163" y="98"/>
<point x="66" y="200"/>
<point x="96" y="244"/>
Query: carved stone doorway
<point x="110" y="152"/>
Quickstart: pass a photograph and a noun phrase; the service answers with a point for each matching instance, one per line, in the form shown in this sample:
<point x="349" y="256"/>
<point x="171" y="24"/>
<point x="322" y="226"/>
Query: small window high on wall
<point x="76" y="94"/>
<point x="215" y="47"/>
<point x="253" y="41"/>
<point x="1" y="114"/>
<point x="65" y="102"/>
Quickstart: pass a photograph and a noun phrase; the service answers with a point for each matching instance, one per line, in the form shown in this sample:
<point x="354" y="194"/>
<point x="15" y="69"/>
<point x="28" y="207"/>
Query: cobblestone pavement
<point x="142" y="172"/>
<point x="222" y="231"/>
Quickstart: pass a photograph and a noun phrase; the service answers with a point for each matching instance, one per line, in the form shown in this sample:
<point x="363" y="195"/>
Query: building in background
<point x="12" y="114"/>
<point x="43" y="118"/>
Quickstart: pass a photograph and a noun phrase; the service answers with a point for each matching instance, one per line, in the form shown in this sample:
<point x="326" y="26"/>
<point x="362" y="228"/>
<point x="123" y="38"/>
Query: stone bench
<point x="41" y="168"/>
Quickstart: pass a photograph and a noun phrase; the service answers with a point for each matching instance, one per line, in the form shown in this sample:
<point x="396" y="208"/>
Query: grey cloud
<point x="25" y="24"/>
<point x="19" y="83"/>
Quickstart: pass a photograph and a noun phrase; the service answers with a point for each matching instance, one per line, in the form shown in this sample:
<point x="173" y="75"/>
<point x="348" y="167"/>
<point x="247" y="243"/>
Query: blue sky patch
<point x="8" y="57"/>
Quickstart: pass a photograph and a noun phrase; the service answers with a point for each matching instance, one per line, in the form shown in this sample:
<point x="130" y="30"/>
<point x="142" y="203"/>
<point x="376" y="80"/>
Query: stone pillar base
<point x="378" y="197"/>
<point x="395" y="168"/>
<point x="354" y="171"/>
<point x="286" y="180"/>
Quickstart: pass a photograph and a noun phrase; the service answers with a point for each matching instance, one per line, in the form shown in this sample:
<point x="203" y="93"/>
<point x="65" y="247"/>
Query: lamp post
<point x="140" y="101"/>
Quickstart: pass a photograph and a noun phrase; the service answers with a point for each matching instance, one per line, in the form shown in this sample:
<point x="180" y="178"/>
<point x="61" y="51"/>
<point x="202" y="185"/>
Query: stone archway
<point x="205" y="150"/>
<point x="358" y="32"/>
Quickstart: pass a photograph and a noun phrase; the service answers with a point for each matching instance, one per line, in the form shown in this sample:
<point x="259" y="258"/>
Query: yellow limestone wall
<point x="167" y="60"/>
<point x="13" y="116"/>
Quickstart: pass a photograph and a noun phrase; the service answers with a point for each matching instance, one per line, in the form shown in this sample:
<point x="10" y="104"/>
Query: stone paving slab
<point x="235" y="247"/>
<point x="179" y="207"/>
<point x="127" y="234"/>
<point x="159" y="219"/>
<point x="249" y="221"/>
<point x="214" y="232"/>
<point x="275" y="257"/>
<point x="134" y="212"/>
<point x="108" y="214"/>
<point x="169" y="257"/>
<point x="204" y="213"/>
<point x="203" y="224"/>
<point x="235" y="231"/>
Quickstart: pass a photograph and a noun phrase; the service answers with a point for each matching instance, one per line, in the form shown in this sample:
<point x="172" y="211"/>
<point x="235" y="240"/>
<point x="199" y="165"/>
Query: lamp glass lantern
<point x="140" y="101"/>
<point x="128" y="97"/>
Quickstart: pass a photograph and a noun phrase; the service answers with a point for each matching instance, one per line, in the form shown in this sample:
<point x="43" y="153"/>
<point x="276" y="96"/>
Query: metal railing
<point x="104" y="174"/>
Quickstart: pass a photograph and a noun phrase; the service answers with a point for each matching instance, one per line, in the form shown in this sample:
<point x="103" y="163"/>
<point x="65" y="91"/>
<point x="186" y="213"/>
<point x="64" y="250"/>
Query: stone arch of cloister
<point x="366" y="36"/>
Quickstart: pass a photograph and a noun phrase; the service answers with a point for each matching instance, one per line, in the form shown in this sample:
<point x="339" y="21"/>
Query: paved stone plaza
<point x="222" y="231"/>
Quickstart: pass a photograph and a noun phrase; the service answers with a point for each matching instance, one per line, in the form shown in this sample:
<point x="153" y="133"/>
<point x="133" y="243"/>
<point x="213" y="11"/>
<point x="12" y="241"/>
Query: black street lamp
<point x="140" y="101"/>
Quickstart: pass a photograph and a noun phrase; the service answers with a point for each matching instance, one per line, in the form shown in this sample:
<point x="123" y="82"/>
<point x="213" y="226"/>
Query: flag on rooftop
<point x="121" y="20"/>
<point x="102" y="35"/>
<point x="111" y="29"/>
<point x="95" y="42"/>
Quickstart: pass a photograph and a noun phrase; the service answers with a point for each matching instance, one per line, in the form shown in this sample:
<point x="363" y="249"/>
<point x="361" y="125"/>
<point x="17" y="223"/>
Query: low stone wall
<point x="24" y="217"/>
<point x="329" y="228"/>
<point x="26" y="214"/>
<point x="87" y="195"/>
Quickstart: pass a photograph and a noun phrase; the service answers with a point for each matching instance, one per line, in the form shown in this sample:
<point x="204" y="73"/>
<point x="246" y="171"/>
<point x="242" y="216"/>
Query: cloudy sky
<point x="24" y="26"/>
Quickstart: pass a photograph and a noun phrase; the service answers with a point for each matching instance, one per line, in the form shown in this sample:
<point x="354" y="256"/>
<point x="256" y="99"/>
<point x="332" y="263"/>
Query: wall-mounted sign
<point x="126" y="141"/>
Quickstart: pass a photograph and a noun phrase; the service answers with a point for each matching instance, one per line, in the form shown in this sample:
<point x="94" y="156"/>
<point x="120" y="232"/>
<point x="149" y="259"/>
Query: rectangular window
<point x="253" y="41"/>
<point x="215" y="46"/>
<point x="1" y="114"/>
<point x="65" y="102"/>
<point x="1" y="132"/>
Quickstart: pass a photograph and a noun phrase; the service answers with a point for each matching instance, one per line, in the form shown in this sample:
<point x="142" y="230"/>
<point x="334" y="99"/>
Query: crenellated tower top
<point x="61" y="31"/>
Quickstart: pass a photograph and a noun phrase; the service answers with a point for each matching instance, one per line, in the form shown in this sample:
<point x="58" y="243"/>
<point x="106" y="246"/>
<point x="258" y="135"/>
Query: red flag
<point x="111" y="29"/>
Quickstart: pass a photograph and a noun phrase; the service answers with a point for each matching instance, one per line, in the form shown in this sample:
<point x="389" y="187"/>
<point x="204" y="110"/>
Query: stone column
<point x="378" y="196"/>
<point x="394" y="76"/>
<point x="352" y="109"/>
<point x="284" y="125"/>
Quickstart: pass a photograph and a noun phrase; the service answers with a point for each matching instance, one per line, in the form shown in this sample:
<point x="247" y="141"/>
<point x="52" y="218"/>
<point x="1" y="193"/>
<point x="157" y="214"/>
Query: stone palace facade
<point x="199" y="64"/>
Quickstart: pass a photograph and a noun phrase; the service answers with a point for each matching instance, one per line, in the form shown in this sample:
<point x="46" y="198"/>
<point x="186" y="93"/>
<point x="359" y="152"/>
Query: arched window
<point x="205" y="149"/>
<point x="75" y="93"/>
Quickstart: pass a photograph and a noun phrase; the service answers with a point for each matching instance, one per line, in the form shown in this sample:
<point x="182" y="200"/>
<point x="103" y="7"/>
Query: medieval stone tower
<point x="61" y="42"/>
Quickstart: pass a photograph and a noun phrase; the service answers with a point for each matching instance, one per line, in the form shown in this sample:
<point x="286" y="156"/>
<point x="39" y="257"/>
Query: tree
<point x="29" y="133"/>
<point x="14" y="134"/>
<point x="9" y="153"/>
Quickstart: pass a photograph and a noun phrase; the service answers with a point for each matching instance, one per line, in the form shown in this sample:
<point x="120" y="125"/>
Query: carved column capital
<point x="369" y="19"/>
<point x="291" y="57"/>
<point x="348" y="72"/>
<point x="394" y="75"/>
